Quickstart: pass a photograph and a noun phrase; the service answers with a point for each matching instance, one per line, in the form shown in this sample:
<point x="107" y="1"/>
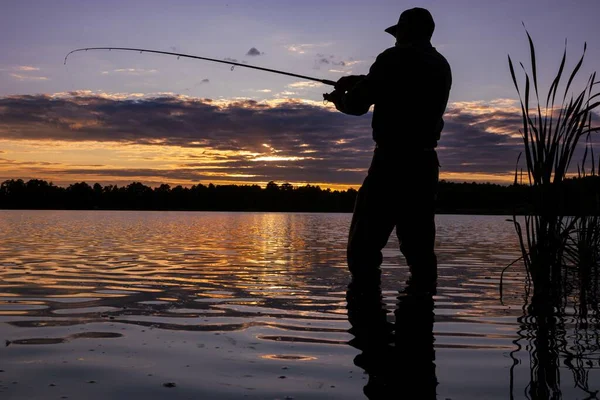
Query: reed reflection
<point x="399" y="358"/>
<point x="566" y="336"/>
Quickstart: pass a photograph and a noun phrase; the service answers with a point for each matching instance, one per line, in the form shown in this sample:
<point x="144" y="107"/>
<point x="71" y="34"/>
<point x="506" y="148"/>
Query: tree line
<point x="453" y="198"/>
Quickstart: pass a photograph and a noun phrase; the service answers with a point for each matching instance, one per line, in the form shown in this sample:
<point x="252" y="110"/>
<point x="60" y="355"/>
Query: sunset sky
<point x="116" y="117"/>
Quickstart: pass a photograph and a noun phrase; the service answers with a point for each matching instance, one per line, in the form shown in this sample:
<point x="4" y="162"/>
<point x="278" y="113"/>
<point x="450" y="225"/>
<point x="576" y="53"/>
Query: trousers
<point x="399" y="192"/>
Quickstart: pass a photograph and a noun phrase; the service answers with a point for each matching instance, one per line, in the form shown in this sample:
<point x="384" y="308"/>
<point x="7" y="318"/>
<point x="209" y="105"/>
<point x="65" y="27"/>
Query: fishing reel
<point x="343" y="85"/>
<point x="333" y="97"/>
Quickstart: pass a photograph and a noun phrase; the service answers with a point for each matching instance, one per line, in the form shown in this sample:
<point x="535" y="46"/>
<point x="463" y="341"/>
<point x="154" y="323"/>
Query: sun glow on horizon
<point x="192" y="140"/>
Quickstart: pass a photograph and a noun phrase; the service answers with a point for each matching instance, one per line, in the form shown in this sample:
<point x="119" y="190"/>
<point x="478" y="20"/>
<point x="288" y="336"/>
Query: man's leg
<point x="416" y="233"/>
<point x="372" y="224"/>
<point x="416" y="222"/>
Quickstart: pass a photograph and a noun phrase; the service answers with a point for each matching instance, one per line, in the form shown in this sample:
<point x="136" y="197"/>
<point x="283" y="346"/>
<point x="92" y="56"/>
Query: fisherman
<point x="409" y="85"/>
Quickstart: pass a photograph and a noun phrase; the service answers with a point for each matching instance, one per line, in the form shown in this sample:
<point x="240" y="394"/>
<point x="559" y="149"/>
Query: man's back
<point x="409" y="86"/>
<point x="412" y="88"/>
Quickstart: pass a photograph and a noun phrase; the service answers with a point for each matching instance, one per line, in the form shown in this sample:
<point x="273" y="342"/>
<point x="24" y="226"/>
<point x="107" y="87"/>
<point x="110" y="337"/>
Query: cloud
<point x="339" y="71"/>
<point x="29" y="78"/>
<point x="257" y="90"/>
<point x="329" y="59"/>
<point x="302" y="48"/>
<point x="174" y="120"/>
<point x="332" y="60"/>
<point x="305" y="141"/>
<point x="103" y="95"/>
<point x="235" y="130"/>
<point x="253" y="52"/>
<point x="303" y="85"/>
<point x="27" y="68"/>
<point x="202" y="82"/>
<point x="130" y="71"/>
<point x="5" y="161"/>
<point x="481" y="137"/>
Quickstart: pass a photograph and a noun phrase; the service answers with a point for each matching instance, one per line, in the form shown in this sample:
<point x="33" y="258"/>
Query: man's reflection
<point x="399" y="358"/>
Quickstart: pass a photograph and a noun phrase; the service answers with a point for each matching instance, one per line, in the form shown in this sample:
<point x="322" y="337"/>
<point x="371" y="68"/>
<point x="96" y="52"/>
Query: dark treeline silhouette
<point x="39" y="194"/>
<point x="453" y="198"/>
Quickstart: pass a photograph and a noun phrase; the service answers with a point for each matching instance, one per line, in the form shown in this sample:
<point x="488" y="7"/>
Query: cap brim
<point x="392" y="30"/>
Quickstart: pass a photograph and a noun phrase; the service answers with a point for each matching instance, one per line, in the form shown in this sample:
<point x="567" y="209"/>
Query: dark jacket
<point x="409" y="86"/>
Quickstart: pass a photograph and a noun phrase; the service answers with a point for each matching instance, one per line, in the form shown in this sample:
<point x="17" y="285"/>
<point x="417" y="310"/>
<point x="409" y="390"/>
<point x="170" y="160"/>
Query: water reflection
<point x="569" y="337"/>
<point x="248" y="294"/>
<point x="399" y="358"/>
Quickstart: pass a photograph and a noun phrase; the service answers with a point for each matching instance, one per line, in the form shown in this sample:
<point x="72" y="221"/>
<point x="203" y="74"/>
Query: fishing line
<point x="232" y="63"/>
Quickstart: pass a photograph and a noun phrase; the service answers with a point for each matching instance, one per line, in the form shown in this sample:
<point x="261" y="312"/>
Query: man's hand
<point x="346" y="83"/>
<point x="335" y="97"/>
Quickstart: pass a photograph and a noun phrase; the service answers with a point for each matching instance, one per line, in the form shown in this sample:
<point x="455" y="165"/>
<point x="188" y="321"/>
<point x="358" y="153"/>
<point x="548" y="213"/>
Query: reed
<point x="582" y="250"/>
<point x="552" y="132"/>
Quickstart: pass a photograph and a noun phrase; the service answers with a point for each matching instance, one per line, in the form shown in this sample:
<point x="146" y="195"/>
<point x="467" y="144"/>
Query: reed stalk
<point x="552" y="132"/>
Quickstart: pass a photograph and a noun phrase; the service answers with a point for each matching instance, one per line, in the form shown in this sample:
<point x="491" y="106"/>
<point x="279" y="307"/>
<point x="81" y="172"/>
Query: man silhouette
<point x="409" y="85"/>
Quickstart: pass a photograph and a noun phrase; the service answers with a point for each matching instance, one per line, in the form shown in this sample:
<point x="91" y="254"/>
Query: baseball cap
<point x="416" y="22"/>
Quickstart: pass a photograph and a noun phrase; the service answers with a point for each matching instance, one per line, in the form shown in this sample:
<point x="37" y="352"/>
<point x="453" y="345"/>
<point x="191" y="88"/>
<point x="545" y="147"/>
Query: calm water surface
<point x="253" y="305"/>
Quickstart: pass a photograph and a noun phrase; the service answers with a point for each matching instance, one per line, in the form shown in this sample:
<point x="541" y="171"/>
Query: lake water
<point x="98" y="305"/>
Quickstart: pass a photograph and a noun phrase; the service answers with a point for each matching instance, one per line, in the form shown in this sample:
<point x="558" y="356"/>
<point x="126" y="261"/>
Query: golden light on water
<point x="294" y="357"/>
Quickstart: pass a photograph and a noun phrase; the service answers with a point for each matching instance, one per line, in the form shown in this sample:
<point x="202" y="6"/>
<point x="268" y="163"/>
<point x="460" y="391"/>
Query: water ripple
<point x="275" y="284"/>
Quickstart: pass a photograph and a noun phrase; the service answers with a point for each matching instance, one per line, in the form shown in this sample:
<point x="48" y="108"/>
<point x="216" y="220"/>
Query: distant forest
<point x="453" y="198"/>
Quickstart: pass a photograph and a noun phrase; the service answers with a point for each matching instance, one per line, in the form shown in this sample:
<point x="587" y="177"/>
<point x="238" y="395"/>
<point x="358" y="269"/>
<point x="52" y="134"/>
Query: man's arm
<point x="358" y="99"/>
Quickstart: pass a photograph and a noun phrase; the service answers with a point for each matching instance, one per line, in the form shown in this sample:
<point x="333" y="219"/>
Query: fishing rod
<point x="232" y="63"/>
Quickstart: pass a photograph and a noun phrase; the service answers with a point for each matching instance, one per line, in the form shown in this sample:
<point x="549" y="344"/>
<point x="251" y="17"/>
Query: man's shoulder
<point x="438" y="54"/>
<point x="388" y="58"/>
<point x="388" y="54"/>
<point x="409" y="52"/>
<point x="390" y="50"/>
<point x="441" y="59"/>
<point x="400" y="57"/>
